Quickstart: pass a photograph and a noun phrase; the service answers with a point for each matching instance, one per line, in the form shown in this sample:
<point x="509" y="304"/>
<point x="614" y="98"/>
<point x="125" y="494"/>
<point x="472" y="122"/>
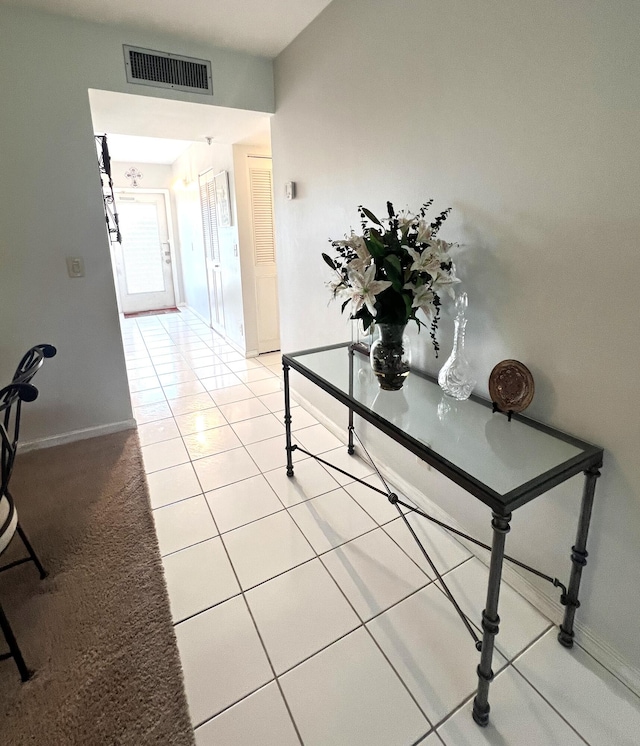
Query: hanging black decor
<point x="108" y="197"/>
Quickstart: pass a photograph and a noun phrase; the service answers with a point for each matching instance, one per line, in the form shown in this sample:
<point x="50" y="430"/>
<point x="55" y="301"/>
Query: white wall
<point x="50" y="204"/>
<point x="193" y="269"/>
<point x="197" y="159"/>
<point x="154" y="175"/>
<point x="524" y="118"/>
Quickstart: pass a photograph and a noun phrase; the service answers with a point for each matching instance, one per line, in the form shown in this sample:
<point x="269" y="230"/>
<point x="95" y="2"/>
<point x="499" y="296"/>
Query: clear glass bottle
<point x="455" y="376"/>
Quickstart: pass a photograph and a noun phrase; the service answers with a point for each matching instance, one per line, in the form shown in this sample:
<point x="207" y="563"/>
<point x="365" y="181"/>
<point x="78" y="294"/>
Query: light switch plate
<point x="75" y="266"/>
<point x="290" y="189"/>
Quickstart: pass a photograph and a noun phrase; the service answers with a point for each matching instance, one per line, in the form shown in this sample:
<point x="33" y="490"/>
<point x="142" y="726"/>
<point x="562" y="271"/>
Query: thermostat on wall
<point x="290" y="189"/>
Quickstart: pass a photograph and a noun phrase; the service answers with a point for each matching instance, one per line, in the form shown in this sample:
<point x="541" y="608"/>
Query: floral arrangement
<point x="394" y="269"/>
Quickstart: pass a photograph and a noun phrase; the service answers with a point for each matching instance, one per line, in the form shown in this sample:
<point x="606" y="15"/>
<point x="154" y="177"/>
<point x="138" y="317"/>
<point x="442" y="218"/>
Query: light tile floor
<point x="304" y="612"/>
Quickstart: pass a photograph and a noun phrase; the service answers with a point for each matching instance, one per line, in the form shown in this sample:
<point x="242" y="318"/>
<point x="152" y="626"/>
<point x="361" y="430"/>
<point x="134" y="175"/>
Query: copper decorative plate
<point x="511" y="386"/>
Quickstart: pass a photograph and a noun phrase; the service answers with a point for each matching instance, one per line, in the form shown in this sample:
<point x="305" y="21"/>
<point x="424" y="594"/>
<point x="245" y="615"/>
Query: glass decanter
<point x="455" y="376"/>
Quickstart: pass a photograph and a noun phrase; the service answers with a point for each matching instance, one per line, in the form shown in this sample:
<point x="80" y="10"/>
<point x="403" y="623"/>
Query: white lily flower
<point x="358" y="265"/>
<point x="424" y="231"/>
<point x="441" y="247"/>
<point x="423" y="298"/>
<point x="428" y="261"/>
<point x="405" y="220"/>
<point x="337" y="285"/>
<point x="446" y="281"/>
<point x="364" y="288"/>
<point x="357" y="243"/>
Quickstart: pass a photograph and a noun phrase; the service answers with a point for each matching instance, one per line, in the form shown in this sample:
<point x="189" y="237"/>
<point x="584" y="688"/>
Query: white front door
<point x="143" y="260"/>
<point x="264" y="253"/>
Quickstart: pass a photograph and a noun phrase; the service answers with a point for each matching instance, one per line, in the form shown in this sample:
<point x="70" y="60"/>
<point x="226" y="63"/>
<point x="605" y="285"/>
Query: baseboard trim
<point x="547" y="606"/>
<point x="552" y="609"/>
<point x="70" y="437"/>
<point x="238" y="348"/>
<point x="585" y="636"/>
<point x="199" y="315"/>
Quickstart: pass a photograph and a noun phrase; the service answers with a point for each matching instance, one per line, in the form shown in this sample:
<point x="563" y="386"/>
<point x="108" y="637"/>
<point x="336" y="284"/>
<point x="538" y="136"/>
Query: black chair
<point x="32" y="362"/>
<point x="11" y="399"/>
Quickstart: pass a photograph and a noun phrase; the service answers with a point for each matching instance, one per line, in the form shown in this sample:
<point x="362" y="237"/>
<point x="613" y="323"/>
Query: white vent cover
<point x="165" y="70"/>
<point x="262" y="214"/>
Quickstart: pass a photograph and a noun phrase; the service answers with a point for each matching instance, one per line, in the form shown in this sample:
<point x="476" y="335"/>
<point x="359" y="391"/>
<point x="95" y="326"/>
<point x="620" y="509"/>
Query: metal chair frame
<point x="11" y="399"/>
<point x="31" y="362"/>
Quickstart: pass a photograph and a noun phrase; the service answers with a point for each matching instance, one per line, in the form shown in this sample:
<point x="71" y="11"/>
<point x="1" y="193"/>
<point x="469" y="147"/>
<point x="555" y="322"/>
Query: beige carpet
<point x="98" y="630"/>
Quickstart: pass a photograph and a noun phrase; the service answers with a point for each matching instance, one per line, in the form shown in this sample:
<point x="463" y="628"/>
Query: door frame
<point x="168" y="206"/>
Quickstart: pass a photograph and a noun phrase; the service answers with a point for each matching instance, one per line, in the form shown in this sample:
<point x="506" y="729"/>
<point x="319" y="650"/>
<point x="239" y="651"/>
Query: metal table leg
<point x="578" y="558"/>
<point x="490" y="618"/>
<point x="350" y="449"/>
<point x="287" y="419"/>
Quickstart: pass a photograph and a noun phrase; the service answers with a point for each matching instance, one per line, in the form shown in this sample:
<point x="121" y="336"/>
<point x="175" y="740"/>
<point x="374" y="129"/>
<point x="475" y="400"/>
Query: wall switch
<point x="290" y="190"/>
<point x="75" y="266"/>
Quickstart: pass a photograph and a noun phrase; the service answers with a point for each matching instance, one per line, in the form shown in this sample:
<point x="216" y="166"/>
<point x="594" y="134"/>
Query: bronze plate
<point x="511" y="386"/>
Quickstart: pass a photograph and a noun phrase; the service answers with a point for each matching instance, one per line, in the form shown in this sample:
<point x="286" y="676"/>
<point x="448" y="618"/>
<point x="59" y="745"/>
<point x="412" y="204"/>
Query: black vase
<point x="391" y="356"/>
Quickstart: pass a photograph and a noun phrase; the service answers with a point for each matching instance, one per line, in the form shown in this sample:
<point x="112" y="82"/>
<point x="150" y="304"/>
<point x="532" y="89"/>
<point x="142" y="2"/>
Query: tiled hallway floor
<point x="303" y="612"/>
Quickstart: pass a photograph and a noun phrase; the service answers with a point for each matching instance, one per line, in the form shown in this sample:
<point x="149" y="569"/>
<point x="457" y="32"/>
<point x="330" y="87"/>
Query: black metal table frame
<point x="589" y="462"/>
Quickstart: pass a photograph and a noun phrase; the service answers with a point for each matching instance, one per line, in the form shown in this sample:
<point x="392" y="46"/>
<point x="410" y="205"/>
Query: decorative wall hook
<point x="133" y="175"/>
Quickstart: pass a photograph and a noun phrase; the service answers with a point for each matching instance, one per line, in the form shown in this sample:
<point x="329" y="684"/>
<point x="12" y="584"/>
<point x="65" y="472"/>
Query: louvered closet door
<point x="264" y="251"/>
<point x="212" y="248"/>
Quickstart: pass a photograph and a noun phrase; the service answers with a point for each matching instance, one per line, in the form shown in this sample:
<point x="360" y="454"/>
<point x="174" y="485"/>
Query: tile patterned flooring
<point x="302" y="610"/>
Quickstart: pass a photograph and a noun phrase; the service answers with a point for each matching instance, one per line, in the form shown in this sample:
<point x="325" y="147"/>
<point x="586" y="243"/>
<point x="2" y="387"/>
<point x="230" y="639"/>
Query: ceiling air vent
<point x="165" y="70"/>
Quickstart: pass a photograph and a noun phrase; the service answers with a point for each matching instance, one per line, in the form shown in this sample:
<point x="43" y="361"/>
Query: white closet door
<point x="264" y="253"/>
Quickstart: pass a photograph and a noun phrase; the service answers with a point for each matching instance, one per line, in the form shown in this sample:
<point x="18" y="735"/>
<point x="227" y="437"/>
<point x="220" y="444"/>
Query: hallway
<point x="303" y="612"/>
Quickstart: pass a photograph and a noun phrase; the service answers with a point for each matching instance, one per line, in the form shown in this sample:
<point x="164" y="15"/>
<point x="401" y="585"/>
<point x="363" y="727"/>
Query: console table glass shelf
<point x="504" y="463"/>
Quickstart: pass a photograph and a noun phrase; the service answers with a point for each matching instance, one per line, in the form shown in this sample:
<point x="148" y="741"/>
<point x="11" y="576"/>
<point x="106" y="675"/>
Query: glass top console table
<point x="505" y="464"/>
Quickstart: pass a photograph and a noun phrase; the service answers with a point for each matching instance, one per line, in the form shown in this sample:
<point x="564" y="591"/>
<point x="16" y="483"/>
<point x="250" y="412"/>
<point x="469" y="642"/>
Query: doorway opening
<point x="182" y="247"/>
<point x="143" y="260"/>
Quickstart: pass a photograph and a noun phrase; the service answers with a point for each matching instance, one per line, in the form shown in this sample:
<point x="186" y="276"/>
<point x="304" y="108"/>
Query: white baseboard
<point x="585" y="636"/>
<point x="551" y="608"/>
<point x="238" y="348"/>
<point x="195" y="313"/>
<point x="84" y="434"/>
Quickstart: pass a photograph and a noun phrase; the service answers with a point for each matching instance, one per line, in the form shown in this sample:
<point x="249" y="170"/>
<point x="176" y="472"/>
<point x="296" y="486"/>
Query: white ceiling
<point x="156" y="130"/>
<point x="262" y="27"/>
<point x="145" y="149"/>
<point x="130" y="114"/>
